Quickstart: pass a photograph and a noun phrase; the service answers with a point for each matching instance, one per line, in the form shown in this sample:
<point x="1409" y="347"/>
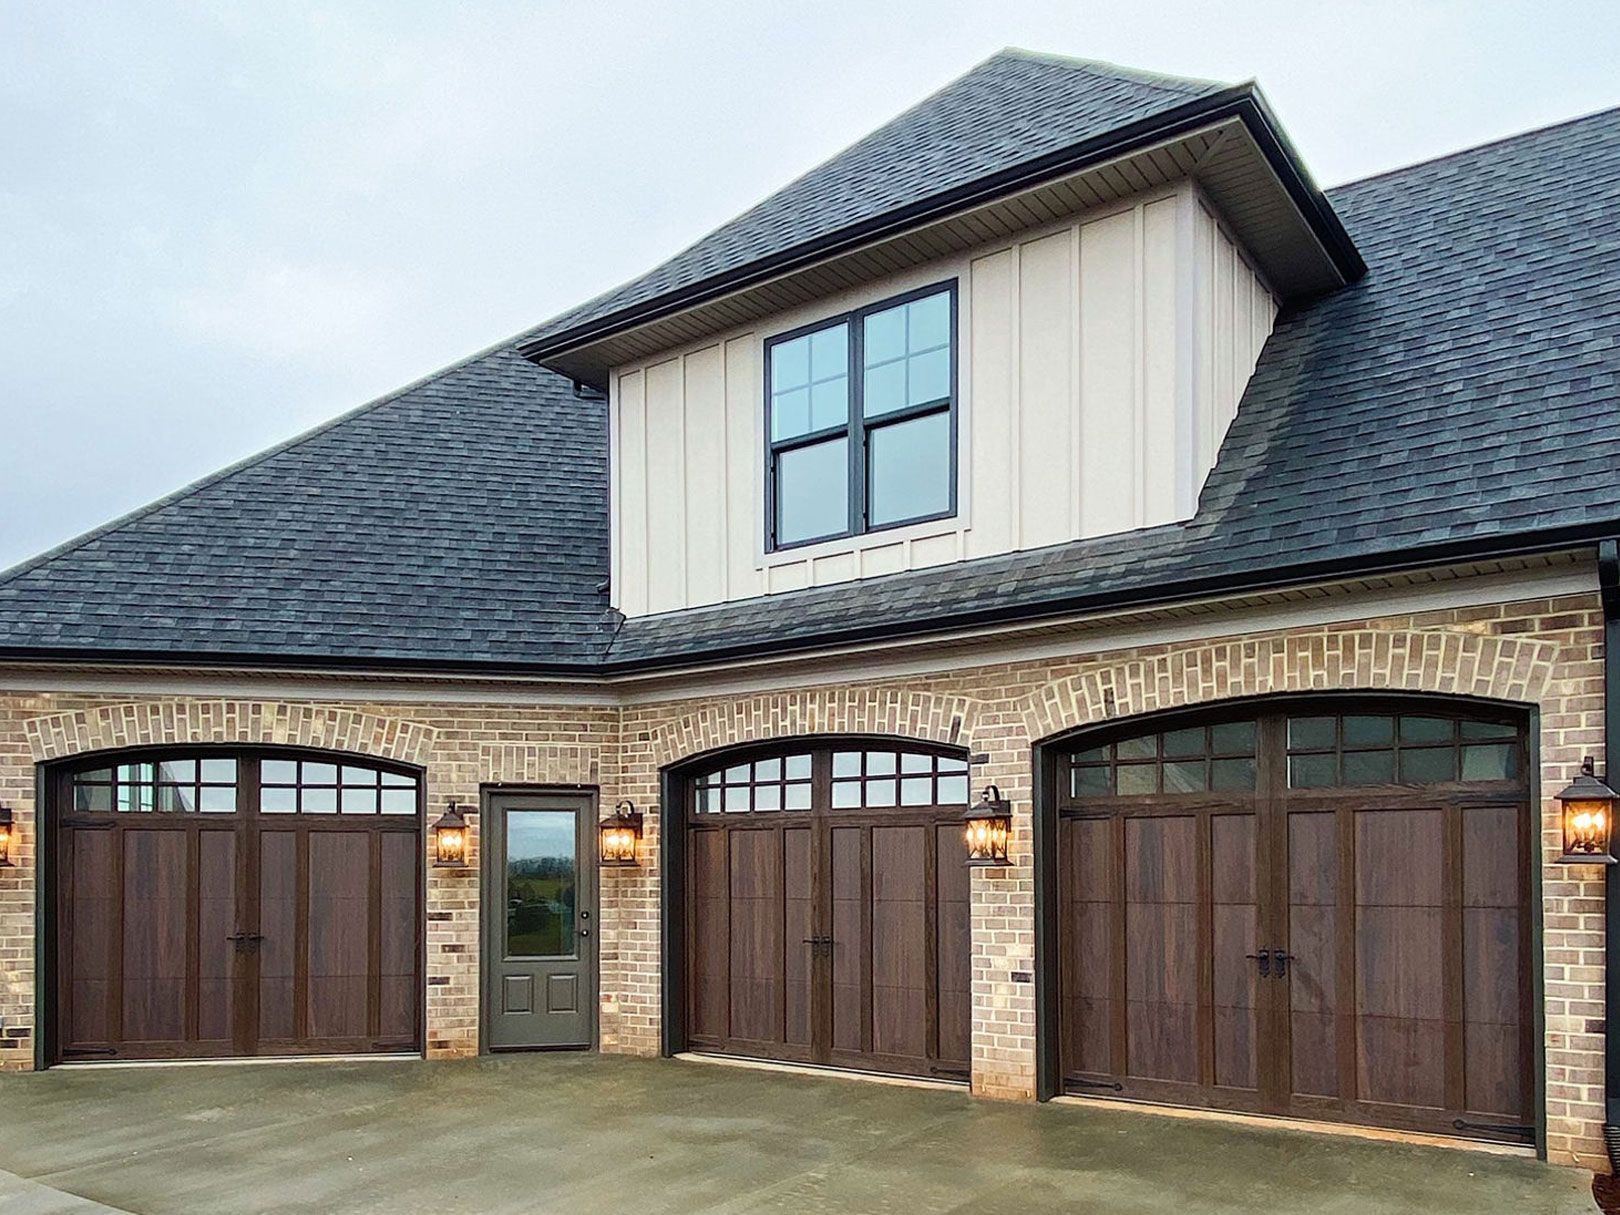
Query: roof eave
<point x="1243" y="101"/>
<point x="941" y="623"/>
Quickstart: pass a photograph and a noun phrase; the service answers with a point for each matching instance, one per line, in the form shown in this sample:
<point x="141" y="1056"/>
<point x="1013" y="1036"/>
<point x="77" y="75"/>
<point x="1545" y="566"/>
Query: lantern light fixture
<point x="1587" y="810"/>
<point x="6" y="833"/>
<point x="450" y="839"/>
<point x="987" y="827"/>
<point x="618" y="834"/>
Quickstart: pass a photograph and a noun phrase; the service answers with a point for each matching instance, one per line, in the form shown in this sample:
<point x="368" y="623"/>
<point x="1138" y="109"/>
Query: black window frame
<point x="857" y="429"/>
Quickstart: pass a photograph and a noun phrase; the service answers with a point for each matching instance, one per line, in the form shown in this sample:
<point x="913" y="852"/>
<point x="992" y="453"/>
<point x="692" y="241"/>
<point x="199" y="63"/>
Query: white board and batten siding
<point x="1100" y="363"/>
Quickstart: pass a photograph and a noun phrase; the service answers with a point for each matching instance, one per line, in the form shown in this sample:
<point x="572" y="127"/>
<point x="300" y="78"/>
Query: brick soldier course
<point x="1545" y="653"/>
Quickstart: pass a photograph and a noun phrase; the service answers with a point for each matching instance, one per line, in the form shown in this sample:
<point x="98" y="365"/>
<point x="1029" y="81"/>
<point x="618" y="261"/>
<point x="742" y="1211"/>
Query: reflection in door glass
<point x="541" y="883"/>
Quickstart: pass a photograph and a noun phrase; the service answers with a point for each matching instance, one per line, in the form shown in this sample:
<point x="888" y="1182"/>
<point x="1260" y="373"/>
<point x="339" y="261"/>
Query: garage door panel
<point x="955" y="945"/>
<point x="217" y="977"/>
<point x="93" y="914"/>
<point x="339" y="919"/>
<point x="756" y="936"/>
<point x="846" y="896"/>
<point x="397" y="949"/>
<point x="1319" y="940"/>
<point x="213" y="906"/>
<point x="156" y="920"/>
<point x="799" y="910"/>
<point x="278" y="924"/>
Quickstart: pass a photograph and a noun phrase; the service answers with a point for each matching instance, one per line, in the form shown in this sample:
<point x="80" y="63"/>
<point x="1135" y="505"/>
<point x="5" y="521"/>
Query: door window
<point x="542" y="883"/>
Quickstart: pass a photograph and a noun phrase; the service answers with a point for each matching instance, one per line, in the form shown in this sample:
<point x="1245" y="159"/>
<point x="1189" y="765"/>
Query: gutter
<point x="1609" y="590"/>
<point x="1243" y="101"/>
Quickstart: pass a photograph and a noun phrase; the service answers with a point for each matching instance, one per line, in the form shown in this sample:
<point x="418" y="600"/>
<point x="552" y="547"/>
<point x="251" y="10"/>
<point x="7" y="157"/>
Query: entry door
<point x="1321" y="912"/>
<point x="540" y="925"/>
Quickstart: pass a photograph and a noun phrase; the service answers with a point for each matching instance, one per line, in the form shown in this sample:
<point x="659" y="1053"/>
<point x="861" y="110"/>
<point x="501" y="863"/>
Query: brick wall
<point x="1545" y="652"/>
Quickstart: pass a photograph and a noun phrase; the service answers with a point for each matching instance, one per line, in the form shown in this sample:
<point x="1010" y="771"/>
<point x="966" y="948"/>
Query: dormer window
<point x="861" y="420"/>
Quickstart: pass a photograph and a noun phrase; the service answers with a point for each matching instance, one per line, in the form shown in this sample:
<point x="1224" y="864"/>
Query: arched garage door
<point x="222" y="903"/>
<point x="1312" y="909"/>
<point x="827" y="908"/>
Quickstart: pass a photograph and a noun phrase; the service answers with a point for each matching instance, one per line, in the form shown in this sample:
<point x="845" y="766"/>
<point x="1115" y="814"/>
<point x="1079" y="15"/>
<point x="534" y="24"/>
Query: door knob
<point x="1264" y="958"/>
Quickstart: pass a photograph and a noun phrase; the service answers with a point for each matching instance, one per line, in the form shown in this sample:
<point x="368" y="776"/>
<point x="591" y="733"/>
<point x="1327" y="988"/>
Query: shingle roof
<point x="1464" y="393"/>
<point x="1011" y="109"/>
<point x="463" y="519"/>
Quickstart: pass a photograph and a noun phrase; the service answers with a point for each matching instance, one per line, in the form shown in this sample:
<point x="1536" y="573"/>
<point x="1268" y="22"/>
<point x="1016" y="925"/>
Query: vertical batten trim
<point x="1188" y="341"/>
<point x="1138" y="368"/>
<point x="1015" y="388"/>
<point x="1077" y="404"/>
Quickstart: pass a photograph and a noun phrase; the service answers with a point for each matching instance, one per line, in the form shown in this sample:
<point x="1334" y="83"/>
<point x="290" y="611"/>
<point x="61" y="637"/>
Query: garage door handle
<point x="245" y="938"/>
<point x="1264" y="958"/>
<point x="1282" y="957"/>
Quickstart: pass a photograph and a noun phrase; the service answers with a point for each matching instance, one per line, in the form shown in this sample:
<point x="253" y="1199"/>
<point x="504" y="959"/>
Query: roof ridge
<point x="1190" y="86"/>
<point x="1496" y="141"/>
<point x="30" y="564"/>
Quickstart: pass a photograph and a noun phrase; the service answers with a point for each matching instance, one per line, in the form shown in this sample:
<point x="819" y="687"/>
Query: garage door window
<point x="170" y="786"/>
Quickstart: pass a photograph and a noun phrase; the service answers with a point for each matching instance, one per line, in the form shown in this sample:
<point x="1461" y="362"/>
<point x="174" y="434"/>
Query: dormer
<point x="1020" y="314"/>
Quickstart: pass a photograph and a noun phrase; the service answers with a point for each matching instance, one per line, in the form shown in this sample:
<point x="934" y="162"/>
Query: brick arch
<point x="926" y="716"/>
<point x="245" y="722"/>
<point x="1454" y="663"/>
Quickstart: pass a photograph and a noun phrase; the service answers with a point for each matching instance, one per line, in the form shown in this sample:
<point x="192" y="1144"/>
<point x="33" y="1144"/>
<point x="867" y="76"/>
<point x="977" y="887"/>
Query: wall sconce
<point x="5" y="837"/>
<point x="1588" y="814"/>
<point x="987" y="827"/>
<point x="450" y="839"/>
<point x="618" y="835"/>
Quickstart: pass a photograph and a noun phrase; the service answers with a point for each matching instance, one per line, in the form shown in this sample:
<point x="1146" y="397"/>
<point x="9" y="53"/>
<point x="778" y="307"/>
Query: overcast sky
<point x="223" y="223"/>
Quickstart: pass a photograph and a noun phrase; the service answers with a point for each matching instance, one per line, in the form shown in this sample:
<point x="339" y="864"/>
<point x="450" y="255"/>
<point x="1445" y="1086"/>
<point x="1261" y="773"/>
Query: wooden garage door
<point x="228" y="904"/>
<point x="828" y="909"/>
<point x="1320" y="911"/>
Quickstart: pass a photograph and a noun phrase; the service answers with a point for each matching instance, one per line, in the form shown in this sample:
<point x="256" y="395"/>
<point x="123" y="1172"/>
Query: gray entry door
<point x="540" y="920"/>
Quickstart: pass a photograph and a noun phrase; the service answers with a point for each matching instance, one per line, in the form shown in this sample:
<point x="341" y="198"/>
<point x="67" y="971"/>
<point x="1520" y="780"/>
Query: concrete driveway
<point x="590" y="1133"/>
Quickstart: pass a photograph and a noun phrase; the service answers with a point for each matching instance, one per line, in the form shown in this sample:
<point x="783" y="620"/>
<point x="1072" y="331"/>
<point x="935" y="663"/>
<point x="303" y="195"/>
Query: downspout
<point x="1609" y="592"/>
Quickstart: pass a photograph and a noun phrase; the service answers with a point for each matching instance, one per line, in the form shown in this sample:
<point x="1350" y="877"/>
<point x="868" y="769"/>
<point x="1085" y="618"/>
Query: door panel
<point x="1313" y="923"/>
<point x="540" y="925"/>
<point x="279" y="922"/>
<point x="850" y="995"/>
<point x="219" y="980"/>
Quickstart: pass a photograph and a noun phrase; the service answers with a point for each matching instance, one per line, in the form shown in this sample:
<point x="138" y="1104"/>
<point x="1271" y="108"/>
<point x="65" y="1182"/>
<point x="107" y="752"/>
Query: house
<point x="1240" y="555"/>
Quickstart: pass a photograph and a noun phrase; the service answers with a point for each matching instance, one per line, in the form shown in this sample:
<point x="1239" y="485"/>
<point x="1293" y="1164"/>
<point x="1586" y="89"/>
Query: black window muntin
<point x="858" y="428"/>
